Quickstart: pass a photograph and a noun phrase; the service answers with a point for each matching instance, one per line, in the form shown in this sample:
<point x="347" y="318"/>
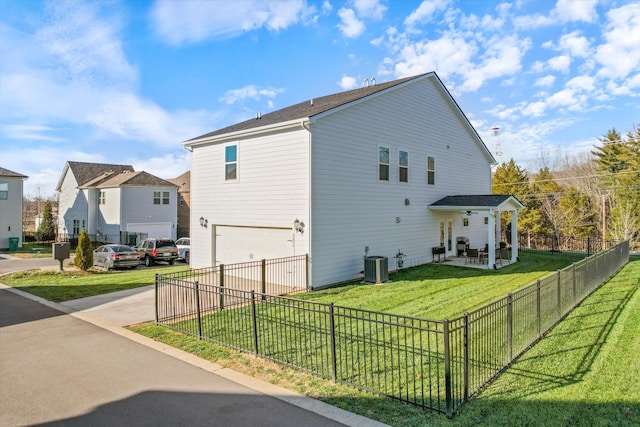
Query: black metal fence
<point x="432" y="364"/>
<point x="567" y="244"/>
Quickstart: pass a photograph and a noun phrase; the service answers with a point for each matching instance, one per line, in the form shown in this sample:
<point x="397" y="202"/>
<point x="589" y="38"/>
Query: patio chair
<point x="503" y="255"/>
<point x="472" y="255"/>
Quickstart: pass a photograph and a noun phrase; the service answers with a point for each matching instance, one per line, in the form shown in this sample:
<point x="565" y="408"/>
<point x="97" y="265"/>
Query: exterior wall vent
<point x="376" y="269"/>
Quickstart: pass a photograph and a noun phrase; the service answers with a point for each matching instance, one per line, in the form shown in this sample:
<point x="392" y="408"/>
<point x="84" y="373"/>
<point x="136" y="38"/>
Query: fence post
<point x="156" y="299"/>
<point x="538" y="319"/>
<point x="447" y="369"/>
<point x="334" y="363"/>
<point x="254" y="321"/>
<point x="466" y="356"/>
<point x="559" y="291"/>
<point x="575" y="292"/>
<point x="509" y="327"/>
<point x="197" y="289"/>
<point x="306" y="269"/>
<point x="221" y="295"/>
<point x="263" y="272"/>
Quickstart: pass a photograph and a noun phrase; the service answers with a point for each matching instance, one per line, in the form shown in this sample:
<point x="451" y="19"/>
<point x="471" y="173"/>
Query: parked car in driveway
<point x="155" y="250"/>
<point x="116" y="256"/>
<point x="184" y="247"/>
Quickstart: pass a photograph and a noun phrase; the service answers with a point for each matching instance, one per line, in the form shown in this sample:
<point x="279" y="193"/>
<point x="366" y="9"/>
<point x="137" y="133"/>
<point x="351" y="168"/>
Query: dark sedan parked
<point x="116" y="256"/>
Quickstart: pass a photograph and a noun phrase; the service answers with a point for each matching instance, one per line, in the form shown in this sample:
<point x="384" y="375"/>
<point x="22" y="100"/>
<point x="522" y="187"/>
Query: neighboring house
<point x="10" y="206"/>
<point x="359" y="169"/>
<point x="184" y="202"/>
<point x="113" y="201"/>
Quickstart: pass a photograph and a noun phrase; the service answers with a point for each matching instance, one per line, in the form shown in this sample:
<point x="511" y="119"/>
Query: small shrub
<point x="84" y="252"/>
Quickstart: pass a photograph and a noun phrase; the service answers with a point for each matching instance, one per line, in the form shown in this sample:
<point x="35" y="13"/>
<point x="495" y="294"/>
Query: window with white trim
<point x="165" y="197"/>
<point x="383" y="163"/>
<point x="102" y="197"/>
<point x="431" y="170"/>
<point x="4" y="190"/>
<point x="403" y="166"/>
<point x="230" y="162"/>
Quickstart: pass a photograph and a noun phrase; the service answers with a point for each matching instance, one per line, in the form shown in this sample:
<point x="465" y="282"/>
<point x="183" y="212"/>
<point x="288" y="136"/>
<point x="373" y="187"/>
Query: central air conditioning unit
<point x="376" y="269"/>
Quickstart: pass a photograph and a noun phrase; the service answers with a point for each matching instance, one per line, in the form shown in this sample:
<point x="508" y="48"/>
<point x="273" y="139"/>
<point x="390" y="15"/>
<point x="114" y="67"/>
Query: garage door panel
<point x="243" y="244"/>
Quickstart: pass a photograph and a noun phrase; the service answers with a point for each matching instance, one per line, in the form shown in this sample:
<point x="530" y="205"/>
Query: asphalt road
<point x="83" y="369"/>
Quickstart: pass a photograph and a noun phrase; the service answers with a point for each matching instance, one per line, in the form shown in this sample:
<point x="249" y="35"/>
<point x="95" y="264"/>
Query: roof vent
<point x="258" y="116"/>
<point x="311" y="102"/>
<point x="366" y="82"/>
<point x="373" y="81"/>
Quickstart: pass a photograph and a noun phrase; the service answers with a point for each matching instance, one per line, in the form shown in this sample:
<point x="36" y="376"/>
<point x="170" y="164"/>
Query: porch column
<point x="498" y="227"/>
<point x="491" y="238"/>
<point x="514" y="235"/>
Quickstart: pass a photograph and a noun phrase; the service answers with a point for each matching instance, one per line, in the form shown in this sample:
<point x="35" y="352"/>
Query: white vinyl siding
<point x="10" y="210"/>
<point x="273" y="191"/>
<point x="349" y="213"/>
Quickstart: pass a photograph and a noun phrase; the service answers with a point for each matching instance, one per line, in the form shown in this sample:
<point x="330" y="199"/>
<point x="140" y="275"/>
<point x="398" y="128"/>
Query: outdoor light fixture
<point x="298" y="226"/>
<point x="203" y="222"/>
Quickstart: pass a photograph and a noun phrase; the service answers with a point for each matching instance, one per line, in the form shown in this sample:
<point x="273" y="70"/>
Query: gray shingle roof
<point x="183" y="182"/>
<point x="308" y="108"/>
<point x="129" y="179"/>
<point x="470" y="201"/>
<point x="8" y="173"/>
<point x="85" y="172"/>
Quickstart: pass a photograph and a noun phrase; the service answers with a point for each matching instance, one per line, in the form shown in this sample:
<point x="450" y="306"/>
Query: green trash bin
<point x="132" y="239"/>
<point x="13" y="243"/>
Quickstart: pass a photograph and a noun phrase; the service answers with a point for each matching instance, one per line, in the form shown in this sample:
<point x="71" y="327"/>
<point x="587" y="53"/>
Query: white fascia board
<point x="247" y="133"/>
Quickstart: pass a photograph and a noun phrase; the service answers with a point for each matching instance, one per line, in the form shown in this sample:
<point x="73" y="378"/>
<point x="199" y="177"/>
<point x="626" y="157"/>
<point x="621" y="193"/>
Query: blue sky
<point x="127" y="81"/>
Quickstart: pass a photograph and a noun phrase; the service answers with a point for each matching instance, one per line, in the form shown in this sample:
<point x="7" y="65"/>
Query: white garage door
<point x="242" y="244"/>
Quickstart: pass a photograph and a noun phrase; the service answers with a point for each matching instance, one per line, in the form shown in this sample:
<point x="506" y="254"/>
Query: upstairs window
<point x="431" y="170"/>
<point x="181" y="200"/>
<point x="383" y="163"/>
<point x="102" y="197"/>
<point x="403" y="166"/>
<point x="4" y="190"/>
<point x="156" y="197"/>
<point x="165" y="197"/>
<point x="230" y="162"/>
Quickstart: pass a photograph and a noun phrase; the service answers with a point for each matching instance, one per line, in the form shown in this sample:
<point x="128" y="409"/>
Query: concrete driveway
<point x="73" y="364"/>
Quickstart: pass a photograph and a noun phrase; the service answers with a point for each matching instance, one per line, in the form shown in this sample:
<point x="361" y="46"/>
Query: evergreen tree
<point x="46" y="229"/>
<point x="84" y="252"/>
<point x="509" y="178"/>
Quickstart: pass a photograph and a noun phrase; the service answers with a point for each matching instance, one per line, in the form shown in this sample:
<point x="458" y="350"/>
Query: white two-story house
<point x="371" y="171"/>
<point x="113" y="202"/>
<point x="11" y="188"/>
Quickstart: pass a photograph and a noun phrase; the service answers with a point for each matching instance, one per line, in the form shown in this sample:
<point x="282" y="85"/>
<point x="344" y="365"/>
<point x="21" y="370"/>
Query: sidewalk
<point x="117" y="364"/>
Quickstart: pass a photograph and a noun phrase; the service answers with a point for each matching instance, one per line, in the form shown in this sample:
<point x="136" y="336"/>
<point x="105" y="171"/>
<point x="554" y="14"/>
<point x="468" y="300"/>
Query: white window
<point x="156" y="197"/>
<point x="383" y="163"/>
<point x="102" y="196"/>
<point x="230" y="162"/>
<point x="165" y="197"/>
<point x="431" y="170"/>
<point x="160" y="197"/>
<point x="403" y="166"/>
<point x="4" y="190"/>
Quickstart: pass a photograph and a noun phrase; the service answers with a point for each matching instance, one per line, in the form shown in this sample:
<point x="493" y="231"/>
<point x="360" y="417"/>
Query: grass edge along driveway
<point x="584" y="372"/>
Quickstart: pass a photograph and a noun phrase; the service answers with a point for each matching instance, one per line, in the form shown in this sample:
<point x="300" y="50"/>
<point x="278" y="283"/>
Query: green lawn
<point x="60" y="286"/>
<point x="438" y="291"/>
<point x="584" y="372"/>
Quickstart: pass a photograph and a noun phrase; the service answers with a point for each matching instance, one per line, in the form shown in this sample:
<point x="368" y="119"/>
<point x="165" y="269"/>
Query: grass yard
<point x="584" y="372"/>
<point x="439" y="291"/>
<point x="61" y="286"/>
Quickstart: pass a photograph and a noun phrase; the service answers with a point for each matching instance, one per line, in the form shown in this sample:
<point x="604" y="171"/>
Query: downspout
<point x="306" y="127"/>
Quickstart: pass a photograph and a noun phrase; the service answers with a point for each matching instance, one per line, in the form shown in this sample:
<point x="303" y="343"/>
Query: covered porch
<point x="492" y="206"/>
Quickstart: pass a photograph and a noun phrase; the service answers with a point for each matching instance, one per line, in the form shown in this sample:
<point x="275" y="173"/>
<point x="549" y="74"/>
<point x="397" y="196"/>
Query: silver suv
<point x="154" y="250"/>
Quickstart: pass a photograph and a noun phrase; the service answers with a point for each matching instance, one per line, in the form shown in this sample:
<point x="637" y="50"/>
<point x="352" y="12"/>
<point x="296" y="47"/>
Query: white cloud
<point x="424" y="13"/>
<point x="575" y="44"/>
<point x="545" y="81"/>
<point x="620" y="54"/>
<point x="447" y="55"/>
<point x="249" y="92"/>
<point x="349" y="24"/>
<point x="370" y="8"/>
<point x="348" y="82"/>
<point x="572" y="10"/>
<point x="191" y="21"/>
<point x="560" y="63"/>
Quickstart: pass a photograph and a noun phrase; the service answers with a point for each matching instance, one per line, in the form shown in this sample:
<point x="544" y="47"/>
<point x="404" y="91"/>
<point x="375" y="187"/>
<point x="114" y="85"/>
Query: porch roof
<point x="500" y="202"/>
